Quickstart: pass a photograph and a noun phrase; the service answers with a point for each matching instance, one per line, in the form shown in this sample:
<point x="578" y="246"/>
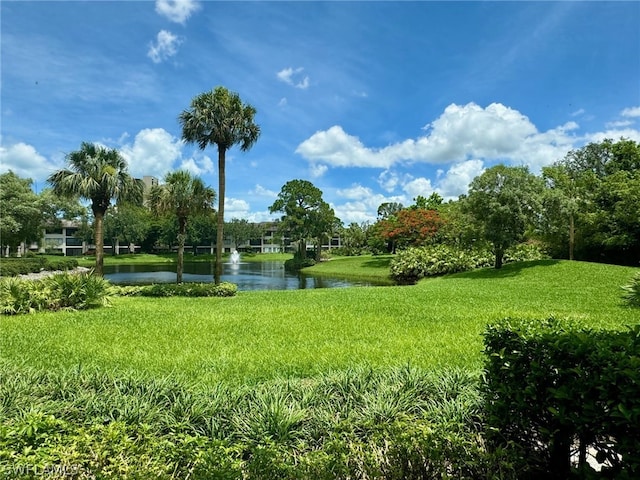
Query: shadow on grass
<point x="508" y="270"/>
<point x="382" y="262"/>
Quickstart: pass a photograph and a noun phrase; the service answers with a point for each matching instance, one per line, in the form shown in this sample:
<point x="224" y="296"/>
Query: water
<point x="246" y="275"/>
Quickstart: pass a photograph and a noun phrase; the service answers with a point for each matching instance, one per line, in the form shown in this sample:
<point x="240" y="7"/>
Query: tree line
<point x="585" y="206"/>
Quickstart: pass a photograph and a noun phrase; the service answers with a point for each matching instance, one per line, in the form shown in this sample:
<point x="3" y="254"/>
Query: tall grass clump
<point x="632" y="291"/>
<point x="61" y="291"/>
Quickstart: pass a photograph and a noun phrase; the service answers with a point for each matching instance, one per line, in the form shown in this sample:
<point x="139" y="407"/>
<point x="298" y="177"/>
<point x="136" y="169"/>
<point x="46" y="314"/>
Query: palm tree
<point x="100" y="175"/>
<point x="219" y="118"/>
<point x="182" y="195"/>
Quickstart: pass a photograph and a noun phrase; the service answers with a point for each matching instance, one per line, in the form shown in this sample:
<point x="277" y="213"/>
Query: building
<point x="62" y="240"/>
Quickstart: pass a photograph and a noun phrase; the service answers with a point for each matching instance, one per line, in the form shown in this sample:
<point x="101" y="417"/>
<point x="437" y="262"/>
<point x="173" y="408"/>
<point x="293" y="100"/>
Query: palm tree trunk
<point x="99" y="236"/>
<point x="219" y="232"/>
<point x="182" y="235"/>
<point x="572" y="235"/>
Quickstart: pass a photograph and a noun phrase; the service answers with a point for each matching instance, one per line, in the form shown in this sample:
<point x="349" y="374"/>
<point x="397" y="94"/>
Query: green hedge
<point x="555" y="391"/>
<point x="224" y="289"/>
<point x="11" y="267"/>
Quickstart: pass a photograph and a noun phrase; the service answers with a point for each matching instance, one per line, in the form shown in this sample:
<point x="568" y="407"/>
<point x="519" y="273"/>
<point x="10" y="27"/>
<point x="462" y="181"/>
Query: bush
<point x="296" y="263"/>
<point x="64" y="263"/>
<point x="632" y="291"/>
<point x="11" y="267"/>
<point x="555" y="391"/>
<point x="415" y="263"/>
<point x="224" y="289"/>
<point x="60" y="291"/>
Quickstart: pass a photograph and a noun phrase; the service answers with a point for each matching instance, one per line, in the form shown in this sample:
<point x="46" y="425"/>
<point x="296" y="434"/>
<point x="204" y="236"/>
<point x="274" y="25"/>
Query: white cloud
<point x="317" y="170"/>
<point x="177" y="11"/>
<point x="619" y="123"/>
<point x="614" y="134"/>
<point x="166" y="46"/>
<point x="26" y="162"/>
<point x="260" y="191"/>
<point x="496" y="133"/>
<point x="631" y="112"/>
<point x="198" y="167"/>
<point x="362" y="204"/>
<point x="578" y="112"/>
<point x="293" y="76"/>
<point x="456" y="180"/>
<point x="418" y="186"/>
<point x="282" y="102"/>
<point x="235" y="208"/>
<point x="388" y="180"/>
<point x="154" y="152"/>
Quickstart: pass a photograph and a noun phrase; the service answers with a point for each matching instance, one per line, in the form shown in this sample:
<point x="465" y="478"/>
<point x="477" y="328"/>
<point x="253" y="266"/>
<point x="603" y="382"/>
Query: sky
<point x="371" y="102"/>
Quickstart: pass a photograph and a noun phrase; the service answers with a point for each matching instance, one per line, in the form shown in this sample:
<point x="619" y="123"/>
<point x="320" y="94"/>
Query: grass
<point x="261" y="336"/>
<point x="364" y="266"/>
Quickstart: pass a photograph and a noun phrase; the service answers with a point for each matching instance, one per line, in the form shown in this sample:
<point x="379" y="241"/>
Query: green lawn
<point x="258" y="336"/>
<point x="364" y="266"/>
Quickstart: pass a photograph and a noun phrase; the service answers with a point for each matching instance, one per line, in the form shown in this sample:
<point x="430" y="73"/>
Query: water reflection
<point x="246" y="275"/>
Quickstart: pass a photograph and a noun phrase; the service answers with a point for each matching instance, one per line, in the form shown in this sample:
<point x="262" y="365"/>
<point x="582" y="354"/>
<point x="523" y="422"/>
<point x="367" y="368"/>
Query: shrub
<point x="296" y="263"/>
<point x="419" y="262"/>
<point x="224" y="289"/>
<point x="77" y="291"/>
<point x="11" y="267"/>
<point x="65" y="290"/>
<point x="632" y="291"/>
<point x="525" y="252"/>
<point x="61" y="264"/>
<point x="415" y="263"/>
<point x="23" y="296"/>
<point x="555" y="391"/>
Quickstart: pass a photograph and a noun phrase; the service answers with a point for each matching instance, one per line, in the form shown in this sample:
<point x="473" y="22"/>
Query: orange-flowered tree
<point x="411" y="227"/>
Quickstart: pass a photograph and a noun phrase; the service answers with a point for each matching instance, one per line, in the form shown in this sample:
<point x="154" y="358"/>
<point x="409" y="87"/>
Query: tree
<point x="202" y="230"/>
<point x="56" y="208"/>
<point x="388" y="209"/>
<point x="305" y="213"/>
<point x="591" y="202"/>
<point x="241" y="231"/>
<point x="432" y="203"/>
<point x="411" y="227"/>
<point x="354" y="238"/>
<point x="220" y="118"/>
<point x="503" y="200"/>
<point x="128" y="224"/>
<point x="20" y="211"/>
<point x="561" y="203"/>
<point x="324" y="223"/>
<point x="99" y="175"/>
<point x="182" y="196"/>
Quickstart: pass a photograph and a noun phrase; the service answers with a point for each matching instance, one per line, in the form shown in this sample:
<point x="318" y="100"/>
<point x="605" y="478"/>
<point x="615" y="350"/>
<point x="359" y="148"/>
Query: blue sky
<point x="370" y="101"/>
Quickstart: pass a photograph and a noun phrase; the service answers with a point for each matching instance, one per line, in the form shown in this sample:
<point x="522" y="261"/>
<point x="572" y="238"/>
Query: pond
<point x="246" y="275"/>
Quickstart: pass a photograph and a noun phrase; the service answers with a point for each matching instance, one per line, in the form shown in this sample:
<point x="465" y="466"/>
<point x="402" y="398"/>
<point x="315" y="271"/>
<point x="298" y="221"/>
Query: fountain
<point x="235" y="257"/>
